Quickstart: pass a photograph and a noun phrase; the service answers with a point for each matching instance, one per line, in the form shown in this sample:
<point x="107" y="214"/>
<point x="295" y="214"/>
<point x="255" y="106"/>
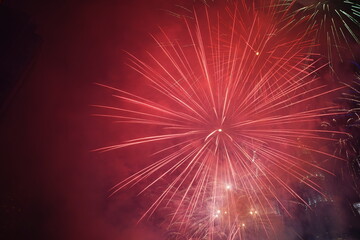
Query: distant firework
<point x="348" y="121"/>
<point x="353" y="101"/>
<point x="336" y="22"/>
<point x="232" y="102"/>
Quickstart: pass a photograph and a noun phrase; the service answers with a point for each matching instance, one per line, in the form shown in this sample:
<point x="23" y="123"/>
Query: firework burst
<point x="228" y="107"/>
<point x="336" y="23"/>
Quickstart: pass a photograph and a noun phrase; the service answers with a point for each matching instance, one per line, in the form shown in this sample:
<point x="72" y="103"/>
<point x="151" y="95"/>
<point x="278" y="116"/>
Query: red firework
<point x="232" y="103"/>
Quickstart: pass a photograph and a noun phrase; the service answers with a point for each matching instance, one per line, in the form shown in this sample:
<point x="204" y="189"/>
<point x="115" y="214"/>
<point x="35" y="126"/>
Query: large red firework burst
<point x="232" y="103"/>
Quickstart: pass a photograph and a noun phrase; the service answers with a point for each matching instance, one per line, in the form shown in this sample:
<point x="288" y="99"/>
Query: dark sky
<point x="53" y="186"/>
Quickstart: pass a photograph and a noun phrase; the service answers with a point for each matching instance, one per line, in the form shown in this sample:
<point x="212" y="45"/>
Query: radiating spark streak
<point x="182" y="115"/>
<point x="186" y="172"/>
<point x="149" y="104"/>
<point x="282" y="94"/>
<point x="173" y="96"/>
<point x="282" y="120"/>
<point x="129" y="111"/>
<point x="187" y="69"/>
<point x="201" y="56"/>
<point x="161" y="88"/>
<point x="143" y="140"/>
<point x="286" y="104"/>
<point x="155" y="167"/>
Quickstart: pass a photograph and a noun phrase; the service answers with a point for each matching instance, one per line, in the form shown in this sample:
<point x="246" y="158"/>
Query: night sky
<point x="53" y="185"/>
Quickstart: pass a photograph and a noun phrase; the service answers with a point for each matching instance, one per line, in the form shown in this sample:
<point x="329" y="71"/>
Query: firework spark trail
<point x="336" y="23"/>
<point x="225" y="115"/>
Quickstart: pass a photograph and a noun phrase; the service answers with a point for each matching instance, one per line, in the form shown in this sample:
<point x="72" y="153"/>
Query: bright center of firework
<point x="213" y="133"/>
